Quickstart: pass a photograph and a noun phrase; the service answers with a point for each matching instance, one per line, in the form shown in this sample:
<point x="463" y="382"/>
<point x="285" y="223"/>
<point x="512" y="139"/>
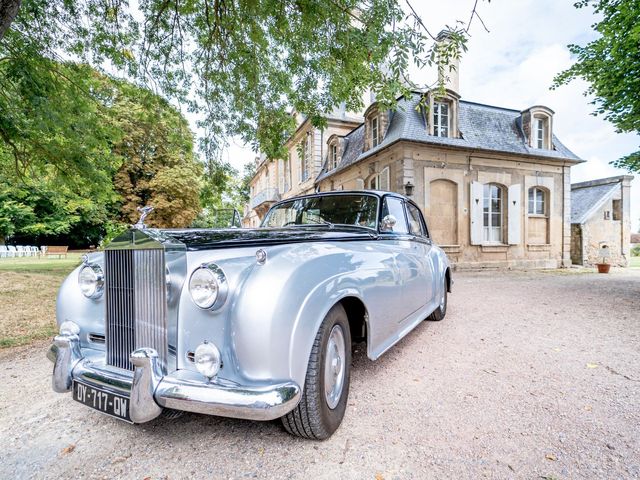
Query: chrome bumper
<point x="149" y="391"/>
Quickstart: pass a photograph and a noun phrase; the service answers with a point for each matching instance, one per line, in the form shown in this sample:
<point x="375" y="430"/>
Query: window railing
<point x="266" y="195"/>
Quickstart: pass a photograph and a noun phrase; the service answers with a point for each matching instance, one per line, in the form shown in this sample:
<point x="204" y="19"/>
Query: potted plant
<point x="604" y="266"/>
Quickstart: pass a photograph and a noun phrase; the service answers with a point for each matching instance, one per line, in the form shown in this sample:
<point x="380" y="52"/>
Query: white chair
<point x="13" y="252"/>
<point x="35" y="251"/>
<point x="19" y="251"/>
<point x="4" y="251"/>
<point x="43" y="250"/>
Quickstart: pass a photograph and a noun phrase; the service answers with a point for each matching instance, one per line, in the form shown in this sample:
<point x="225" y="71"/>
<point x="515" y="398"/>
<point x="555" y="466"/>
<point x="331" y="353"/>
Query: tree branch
<point x="8" y="11"/>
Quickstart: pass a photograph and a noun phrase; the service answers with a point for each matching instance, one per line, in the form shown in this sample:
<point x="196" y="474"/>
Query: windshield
<point x="357" y="210"/>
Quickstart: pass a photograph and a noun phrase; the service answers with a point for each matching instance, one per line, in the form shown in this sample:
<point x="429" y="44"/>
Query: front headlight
<point x="208" y="287"/>
<point x="91" y="281"/>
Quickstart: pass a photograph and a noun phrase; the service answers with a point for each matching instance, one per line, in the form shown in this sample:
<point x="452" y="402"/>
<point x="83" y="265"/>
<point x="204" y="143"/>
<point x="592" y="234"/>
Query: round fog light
<point x="207" y="359"/>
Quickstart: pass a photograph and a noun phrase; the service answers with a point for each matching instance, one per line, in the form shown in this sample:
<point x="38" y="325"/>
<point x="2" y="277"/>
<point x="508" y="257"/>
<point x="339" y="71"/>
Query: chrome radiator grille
<point x="136" y="304"/>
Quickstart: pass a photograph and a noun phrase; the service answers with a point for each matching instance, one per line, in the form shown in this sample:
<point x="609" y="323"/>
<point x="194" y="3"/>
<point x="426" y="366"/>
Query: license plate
<point x="106" y="402"/>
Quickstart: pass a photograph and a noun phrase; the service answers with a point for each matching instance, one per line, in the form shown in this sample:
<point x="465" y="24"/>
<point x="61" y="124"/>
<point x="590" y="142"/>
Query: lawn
<point x="52" y="266"/>
<point x="634" y="262"/>
<point x="28" y="289"/>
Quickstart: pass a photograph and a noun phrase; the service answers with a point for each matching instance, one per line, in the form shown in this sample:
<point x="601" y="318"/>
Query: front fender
<point x="72" y="305"/>
<point x="283" y="304"/>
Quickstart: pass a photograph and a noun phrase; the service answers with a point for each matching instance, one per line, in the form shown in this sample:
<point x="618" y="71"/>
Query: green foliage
<point x="218" y="218"/>
<point x="635" y="251"/>
<point x="611" y="66"/>
<point x="159" y="166"/>
<point x="39" y="207"/>
<point x="65" y="144"/>
<point x="68" y="131"/>
<point x="244" y="188"/>
<point x="243" y="65"/>
<point x="111" y="230"/>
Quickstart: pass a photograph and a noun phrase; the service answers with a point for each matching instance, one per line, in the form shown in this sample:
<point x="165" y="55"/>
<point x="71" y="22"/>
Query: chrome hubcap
<point x="334" y="367"/>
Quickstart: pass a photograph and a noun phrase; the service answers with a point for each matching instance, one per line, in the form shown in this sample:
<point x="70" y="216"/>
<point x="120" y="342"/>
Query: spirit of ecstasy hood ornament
<point x="144" y="212"/>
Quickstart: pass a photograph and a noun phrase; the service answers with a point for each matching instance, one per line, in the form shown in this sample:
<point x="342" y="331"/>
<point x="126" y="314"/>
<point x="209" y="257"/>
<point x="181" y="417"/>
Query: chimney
<point x="450" y="74"/>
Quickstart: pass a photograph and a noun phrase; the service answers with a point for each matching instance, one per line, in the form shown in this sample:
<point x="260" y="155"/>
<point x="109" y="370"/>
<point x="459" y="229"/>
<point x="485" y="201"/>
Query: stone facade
<point x="276" y="179"/>
<point x="443" y="181"/>
<point x="494" y="184"/>
<point x="601" y="217"/>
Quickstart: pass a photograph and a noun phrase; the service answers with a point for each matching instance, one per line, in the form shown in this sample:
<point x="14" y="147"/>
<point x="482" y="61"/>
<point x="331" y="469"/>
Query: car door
<point x="422" y="246"/>
<point x="410" y="259"/>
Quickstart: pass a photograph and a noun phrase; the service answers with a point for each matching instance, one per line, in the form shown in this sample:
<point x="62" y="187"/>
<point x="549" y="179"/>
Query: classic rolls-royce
<point x="248" y="323"/>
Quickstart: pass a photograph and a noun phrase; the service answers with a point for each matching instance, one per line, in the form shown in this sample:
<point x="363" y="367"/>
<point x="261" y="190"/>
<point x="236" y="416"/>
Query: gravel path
<point x="531" y="375"/>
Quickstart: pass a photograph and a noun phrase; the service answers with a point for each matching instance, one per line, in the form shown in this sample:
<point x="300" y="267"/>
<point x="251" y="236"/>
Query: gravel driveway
<point x="531" y="375"/>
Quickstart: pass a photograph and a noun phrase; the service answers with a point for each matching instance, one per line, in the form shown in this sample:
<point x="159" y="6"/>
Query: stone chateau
<point x="493" y="183"/>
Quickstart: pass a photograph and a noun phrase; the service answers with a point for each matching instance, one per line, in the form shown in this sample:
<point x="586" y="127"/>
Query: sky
<point x="513" y="66"/>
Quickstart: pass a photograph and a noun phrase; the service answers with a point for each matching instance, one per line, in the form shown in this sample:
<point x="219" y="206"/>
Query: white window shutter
<point x="514" y="214"/>
<point x="477" y="190"/>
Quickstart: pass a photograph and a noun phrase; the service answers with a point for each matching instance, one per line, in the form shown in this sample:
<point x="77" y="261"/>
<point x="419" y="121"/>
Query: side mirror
<point x="388" y="222"/>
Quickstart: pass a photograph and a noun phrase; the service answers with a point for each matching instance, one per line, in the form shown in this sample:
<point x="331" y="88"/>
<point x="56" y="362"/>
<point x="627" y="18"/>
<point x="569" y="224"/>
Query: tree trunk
<point x="8" y="11"/>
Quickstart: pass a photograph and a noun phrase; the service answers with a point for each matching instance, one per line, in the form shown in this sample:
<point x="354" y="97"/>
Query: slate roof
<point x="586" y="200"/>
<point x="482" y="127"/>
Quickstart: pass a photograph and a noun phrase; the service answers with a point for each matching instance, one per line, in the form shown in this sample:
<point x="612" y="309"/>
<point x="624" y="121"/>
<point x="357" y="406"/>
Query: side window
<point x="394" y="206"/>
<point x="415" y="220"/>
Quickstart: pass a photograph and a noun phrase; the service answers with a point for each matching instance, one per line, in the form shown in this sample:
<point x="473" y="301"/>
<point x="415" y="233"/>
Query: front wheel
<point x="326" y="385"/>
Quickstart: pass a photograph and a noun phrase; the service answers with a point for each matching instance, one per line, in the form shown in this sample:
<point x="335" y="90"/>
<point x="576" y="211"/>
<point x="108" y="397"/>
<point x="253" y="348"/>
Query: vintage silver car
<point x="248" y="323"/>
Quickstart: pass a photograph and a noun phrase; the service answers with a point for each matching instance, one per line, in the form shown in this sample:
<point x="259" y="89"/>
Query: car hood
<point x="200" y="239"/>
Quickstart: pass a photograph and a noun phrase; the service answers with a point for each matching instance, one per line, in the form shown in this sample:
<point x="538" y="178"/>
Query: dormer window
<point x="376" y="121"/>
<point x="441" y="119"/>
<point x="334" y="152"/>
<point x="333" y="156"/>
<point x="539" y="133"/>
<point x="441" y="113"/>
<point x="537" y="127"/>
<point x="375" y="131"/>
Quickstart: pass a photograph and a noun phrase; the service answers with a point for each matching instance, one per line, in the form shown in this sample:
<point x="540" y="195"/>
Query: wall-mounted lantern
<point x="408" y="189"/>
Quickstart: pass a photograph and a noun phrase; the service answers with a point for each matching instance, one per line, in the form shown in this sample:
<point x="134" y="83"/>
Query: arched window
<point x="493" y="213"/>
<point x="376" y="121"/>
<point x="537" y="125"/>
<point x="379" y="181"/>
<point x="537" y="201"/>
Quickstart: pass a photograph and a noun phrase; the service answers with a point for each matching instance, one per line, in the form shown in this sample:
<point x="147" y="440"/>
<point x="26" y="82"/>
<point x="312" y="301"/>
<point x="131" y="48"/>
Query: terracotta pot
<point x="603" y="267"/>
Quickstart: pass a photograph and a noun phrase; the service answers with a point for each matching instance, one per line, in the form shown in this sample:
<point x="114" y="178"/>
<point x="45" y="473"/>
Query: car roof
<point x="377" y="193"/>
